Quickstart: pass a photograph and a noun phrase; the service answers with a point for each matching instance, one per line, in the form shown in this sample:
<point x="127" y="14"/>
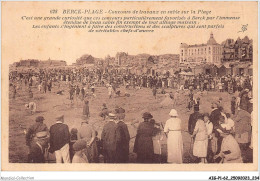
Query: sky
<point x="21" y="41"/>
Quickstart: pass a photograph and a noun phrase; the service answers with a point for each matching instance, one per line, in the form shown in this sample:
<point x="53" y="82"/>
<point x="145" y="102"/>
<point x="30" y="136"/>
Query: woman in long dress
<point x="174" y="141"/>
<point x="200" y="146"/>
<point x="143" y="145"/>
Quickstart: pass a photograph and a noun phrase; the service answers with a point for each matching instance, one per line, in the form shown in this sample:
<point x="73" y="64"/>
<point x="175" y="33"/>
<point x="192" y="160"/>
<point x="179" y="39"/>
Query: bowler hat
<point x="147" y="115"/>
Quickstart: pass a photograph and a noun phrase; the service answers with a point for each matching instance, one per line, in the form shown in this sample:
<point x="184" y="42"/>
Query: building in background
<point x="240" y="50"/>
<point x="85" y="59"/>
<point x="40" y="63"/>
<point x="121" y="58"/>
<point x="210" y="53"/>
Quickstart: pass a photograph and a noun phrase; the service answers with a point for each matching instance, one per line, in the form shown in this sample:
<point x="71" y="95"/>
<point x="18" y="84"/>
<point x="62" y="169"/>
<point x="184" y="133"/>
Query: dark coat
<point x="108" y="138"/>
<point x="214" y="117"/>
<point x="122" y="144"/>
<point x="192" y="121"/>
<point x="36" y="154"/>
<point x="59" y="136"/>
<point x="244" y="102"/>
<point x="144" y="143"/>
<point x="242" y="122"/>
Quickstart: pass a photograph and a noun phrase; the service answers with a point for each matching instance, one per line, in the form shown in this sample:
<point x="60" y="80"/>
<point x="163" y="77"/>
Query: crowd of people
<point x="218" y="136"/>
<point x="44" y="78"/>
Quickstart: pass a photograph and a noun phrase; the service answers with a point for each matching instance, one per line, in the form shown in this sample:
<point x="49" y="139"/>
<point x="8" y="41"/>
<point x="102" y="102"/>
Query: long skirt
<point x="200" y="148"/>
<point x="174" y="147"/>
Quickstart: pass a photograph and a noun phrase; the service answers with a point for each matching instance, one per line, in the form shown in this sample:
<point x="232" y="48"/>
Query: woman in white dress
<point x="200" y="146"/>
<point x="174" y="141"/>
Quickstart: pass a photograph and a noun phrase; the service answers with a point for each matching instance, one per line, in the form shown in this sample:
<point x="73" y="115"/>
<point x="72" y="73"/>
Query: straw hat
<point x="112" y="115"/>
<point x="41" y="135"/>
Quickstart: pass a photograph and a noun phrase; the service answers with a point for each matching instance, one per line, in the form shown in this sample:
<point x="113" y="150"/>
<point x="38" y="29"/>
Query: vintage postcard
<point x="129" y="86"/>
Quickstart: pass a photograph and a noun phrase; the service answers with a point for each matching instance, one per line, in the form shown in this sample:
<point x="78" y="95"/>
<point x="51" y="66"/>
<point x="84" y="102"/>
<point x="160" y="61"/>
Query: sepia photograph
<point x="140" y="85"/>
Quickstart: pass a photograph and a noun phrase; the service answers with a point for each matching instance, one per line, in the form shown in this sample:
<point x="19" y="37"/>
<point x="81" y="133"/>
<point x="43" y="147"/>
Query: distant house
<point x="224" y="69"/>
<point x="52" y="63"/>
<point x="121" y="58"/>
<point x="243" y="69"/>
<point x="198" y="69"/>
<point x="85" y="59"/>
<point x="239" y="50"/>
<point x="29" y="63"/>
<point x="210" y="69"/>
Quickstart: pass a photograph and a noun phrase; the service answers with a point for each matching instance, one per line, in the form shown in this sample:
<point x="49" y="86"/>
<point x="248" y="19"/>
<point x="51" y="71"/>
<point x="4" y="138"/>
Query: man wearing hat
<point x="214" y="117"/>
<point x="215" y="114"/>
<point x="108" y="138"/>
<point x="193" y="119"/>
<point x="59" y="140"/>
<point x="123" y="137"/>
<point x="143" y="145"/>
<point x="38" y="126"/>
<point x="37" y="149"/>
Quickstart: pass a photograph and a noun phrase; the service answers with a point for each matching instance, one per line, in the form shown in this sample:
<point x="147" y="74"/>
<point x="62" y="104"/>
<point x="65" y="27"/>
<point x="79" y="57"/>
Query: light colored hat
<point x="173" y="113"/>
<point x="60" y="118"/>
<point x="41" y="135"/>
<point x="112" y="115"/>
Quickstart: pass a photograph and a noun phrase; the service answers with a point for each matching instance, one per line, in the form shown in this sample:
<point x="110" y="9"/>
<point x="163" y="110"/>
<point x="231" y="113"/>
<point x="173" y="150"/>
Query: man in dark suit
<point x="108" y="138"/>
<point x="214" y="118"/>
<point x="123" y="137"/>
<point x="59" y="140"/>
<point x="37" y="148"/>
<point x="193" y="119"/>
<point x="215" y="114"/>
